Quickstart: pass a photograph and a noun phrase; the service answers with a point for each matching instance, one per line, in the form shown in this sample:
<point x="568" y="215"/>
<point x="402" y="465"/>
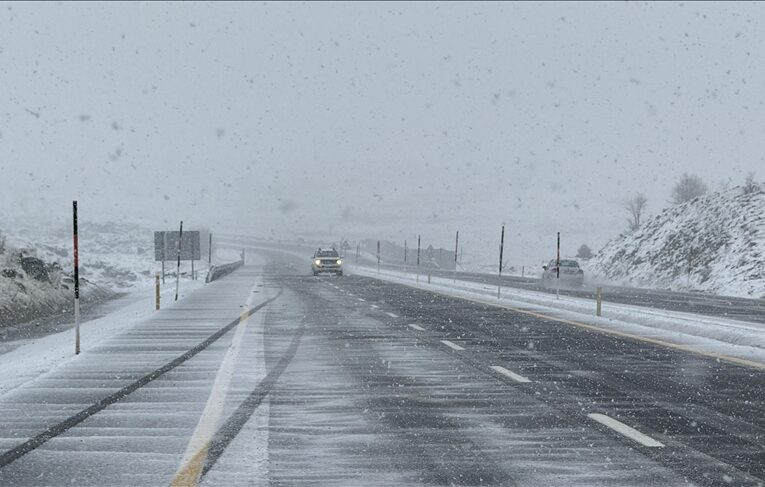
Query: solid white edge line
<point x="509" y="373"/>
<point x="452" y="345"/>
<point x="392" y="315"/>
<point x="625" y="430"/>
<point x="416" y="327"/>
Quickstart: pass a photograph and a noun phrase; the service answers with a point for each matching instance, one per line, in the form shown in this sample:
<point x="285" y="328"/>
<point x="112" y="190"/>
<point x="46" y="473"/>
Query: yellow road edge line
<point x="653" y="341"/>
<point x="189" y="475"/>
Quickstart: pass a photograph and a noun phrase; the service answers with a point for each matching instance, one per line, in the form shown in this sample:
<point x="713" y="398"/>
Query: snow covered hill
<point x="714" y="243"/>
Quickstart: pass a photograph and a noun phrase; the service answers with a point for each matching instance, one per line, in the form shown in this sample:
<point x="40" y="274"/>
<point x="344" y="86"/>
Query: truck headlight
<point x="317" y="262"/>
<point x="339" y="261"/>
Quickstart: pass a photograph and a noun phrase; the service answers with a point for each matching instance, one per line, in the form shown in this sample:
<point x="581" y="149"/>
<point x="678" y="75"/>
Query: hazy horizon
<point x="376" y="120"/>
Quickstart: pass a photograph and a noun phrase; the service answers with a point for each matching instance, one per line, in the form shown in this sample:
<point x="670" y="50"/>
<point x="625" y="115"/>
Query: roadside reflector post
<point x="428" y="275"/>
<point x="598" y="301"/>
<point x="405" y="251"/>
<point x="76" y="255"/>
<point x="178" y="267"/>
<point x="358" y="250"/>
<point x="378" y="256"/>
<point x="418" y="258"/>
<point x="557" y="271"/>
<point x="456" y="246"/>
<point x="156" y="292"/>
<point x="501" y="252"/>
<point x="523" y="271"/>
<point x="209" y="251"/>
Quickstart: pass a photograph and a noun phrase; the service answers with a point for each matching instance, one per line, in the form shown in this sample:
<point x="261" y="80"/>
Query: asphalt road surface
<point x="354" y="381"/>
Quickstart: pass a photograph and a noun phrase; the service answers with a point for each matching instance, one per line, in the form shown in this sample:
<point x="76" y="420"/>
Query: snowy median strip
<point x="738" y="342"/>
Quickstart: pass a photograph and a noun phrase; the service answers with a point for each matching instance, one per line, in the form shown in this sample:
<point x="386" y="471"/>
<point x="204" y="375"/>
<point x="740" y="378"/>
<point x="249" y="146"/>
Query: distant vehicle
<point x="327" y="261"/>
<point x="570" y="273"/>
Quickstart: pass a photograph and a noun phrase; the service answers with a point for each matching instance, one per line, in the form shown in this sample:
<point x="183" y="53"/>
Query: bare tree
<point x="687" y="188"/>
<point x="636" y="207"/>
<point x="749" y="186"/>
<point x="584" y="252"/>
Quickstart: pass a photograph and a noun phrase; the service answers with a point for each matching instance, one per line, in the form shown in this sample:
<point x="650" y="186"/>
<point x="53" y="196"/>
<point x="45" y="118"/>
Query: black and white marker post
<point x="76" y="280"/>
<point x="456" y="246"/>
<point x="418" y="258"/>
<point x="501" y="251"/>
<point x="378" y="256"/>
<point x="557" y="271"/>
<point x="178" y="267"/>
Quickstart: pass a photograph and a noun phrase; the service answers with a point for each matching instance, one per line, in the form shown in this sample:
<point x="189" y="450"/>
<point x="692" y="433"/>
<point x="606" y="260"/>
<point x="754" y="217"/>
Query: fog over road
<point x="273" y="376"/>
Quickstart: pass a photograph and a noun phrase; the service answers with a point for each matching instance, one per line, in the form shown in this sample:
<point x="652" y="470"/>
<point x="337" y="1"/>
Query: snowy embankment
<point x="31" y="287"/>
<point x="714" y="243"/>
<point x="737" y="341"/>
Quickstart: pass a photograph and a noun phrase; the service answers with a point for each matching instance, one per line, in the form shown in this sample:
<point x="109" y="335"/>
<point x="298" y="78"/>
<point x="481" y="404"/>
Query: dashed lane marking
<point x="416" y="327"/>
<point x="625" y="430"/>
<point x="373" y="306"/>
<point x="452" y="345"/>
<point x="392" y="315"/>
<point x="509" y="373"/>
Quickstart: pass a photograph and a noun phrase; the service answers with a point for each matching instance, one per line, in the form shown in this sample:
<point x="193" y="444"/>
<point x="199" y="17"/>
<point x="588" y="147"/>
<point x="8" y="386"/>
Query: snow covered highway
<point x="273" y="376"/>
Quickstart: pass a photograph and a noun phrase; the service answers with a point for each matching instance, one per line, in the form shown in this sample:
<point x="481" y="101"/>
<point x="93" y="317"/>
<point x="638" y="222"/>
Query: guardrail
<point x="218" y="271"/>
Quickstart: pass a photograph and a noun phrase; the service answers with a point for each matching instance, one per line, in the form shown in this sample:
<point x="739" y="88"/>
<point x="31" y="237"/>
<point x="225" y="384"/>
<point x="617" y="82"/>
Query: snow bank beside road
<point x="727" y="339"/>
<point x="35" y="357"/>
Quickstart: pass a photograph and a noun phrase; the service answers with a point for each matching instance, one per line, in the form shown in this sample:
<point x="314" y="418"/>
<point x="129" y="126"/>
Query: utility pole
<point x="501" y="251"/>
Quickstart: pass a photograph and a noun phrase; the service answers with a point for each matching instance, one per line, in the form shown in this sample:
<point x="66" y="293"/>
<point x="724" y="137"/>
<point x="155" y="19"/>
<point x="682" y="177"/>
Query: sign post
<point x="178" y="268"/>
<point x="501" y="251"/>
<point x="76" y="280"/>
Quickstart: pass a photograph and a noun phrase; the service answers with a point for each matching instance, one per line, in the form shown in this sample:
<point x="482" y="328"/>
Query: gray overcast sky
<point x="379" y="120"/>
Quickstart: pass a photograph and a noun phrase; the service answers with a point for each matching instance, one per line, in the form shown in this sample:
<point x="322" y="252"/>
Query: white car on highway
<point x="327" y="261"/>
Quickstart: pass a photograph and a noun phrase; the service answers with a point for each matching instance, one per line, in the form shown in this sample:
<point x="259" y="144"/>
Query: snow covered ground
<point x="737" y="341"/>
<point x="32" y="358"/>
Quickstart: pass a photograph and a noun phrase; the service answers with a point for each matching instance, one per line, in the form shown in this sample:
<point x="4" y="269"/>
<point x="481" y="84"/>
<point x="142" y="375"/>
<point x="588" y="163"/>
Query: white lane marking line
<point x="452" y="345"/>
<point x="374" y="306"/>
<point x="416" y="327"/>
<point x="392" y="315"/>
<point x="361" y="299"/>
<point x="627" y="431"/>
<point x="509" y="373"/>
